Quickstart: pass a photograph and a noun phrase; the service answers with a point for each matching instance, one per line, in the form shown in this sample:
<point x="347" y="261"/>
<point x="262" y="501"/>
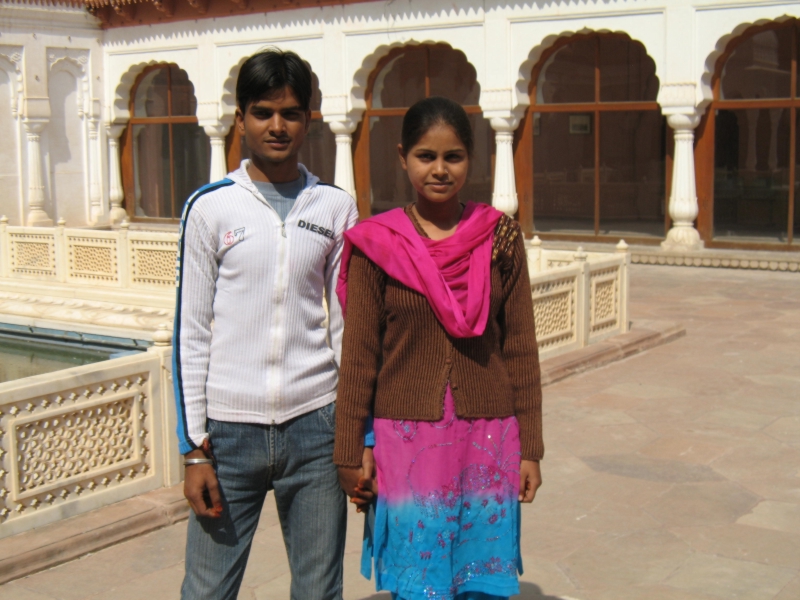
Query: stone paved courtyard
<point x="672" y="475"/>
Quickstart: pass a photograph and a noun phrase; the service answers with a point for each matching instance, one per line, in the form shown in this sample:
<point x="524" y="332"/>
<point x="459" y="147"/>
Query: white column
<point x="504" y="197"/>
<point x="343" y="175"/>
<point x="683" y="199"/>
<point x="219" y="165"/>
<point x="95" y="193"/>
<point x="37" y="216"/>
<point x="115" y="191"/>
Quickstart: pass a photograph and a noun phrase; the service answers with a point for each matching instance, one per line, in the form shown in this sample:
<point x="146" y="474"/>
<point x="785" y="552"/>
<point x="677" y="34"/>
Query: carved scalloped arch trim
<point x="122" y="92"/>
<point x="68" y="63"/>
<point x="710" y="64"/>
<point x="358" y="90"/>
<point x="521" y="86"/>
<point x="77" y="69"/>
<point x="10" y="63"/>
<point x="228" y="100"/>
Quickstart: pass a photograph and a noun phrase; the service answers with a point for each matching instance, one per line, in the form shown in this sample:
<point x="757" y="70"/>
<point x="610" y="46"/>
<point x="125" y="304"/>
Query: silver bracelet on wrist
<point x="197" y="461"/>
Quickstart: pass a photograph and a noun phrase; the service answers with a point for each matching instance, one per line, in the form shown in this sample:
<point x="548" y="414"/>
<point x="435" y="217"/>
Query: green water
<point x="23" y="357"/>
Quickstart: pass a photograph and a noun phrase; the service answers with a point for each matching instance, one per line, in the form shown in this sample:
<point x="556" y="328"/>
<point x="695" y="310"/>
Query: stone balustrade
<point x="579" y="298"/>
<point x="81" y="438"/>
<point x="114" y="282"/>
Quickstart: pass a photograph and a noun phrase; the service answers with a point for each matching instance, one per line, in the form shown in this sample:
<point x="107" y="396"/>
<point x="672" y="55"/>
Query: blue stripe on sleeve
<point x="185" y="443"/>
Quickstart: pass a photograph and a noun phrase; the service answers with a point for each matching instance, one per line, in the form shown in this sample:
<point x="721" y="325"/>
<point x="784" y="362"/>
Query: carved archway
<point x="590" y="154"/>
<point x="747" y="143"/>
<point x="405" y="74"/>
<point x="523" y="82"/>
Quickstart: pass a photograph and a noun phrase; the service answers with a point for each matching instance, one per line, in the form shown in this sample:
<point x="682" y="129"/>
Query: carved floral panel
<point x="93" y="259"/>
<point x="33" y="254"/>
<point x="55" y="448"/>
<point x="604" y="300"/>
<point x="153" y="262"/>
<point x="554" y="310"/>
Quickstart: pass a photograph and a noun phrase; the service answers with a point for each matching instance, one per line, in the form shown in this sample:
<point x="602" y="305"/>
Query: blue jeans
<point x="295" y="459"/>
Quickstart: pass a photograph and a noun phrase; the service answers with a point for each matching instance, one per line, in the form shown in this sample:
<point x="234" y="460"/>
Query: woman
<point x="439" y="347"/>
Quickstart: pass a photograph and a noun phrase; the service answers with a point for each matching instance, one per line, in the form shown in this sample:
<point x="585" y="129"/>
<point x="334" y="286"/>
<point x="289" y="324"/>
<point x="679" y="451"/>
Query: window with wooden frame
<point x="318" y="153"/>
<point x="748" y="151"/>
<point x="400" y="79"/>
<point x="590" y="154"/>
<point x="165" y="154"/>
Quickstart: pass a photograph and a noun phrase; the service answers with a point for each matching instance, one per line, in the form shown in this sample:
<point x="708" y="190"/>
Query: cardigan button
<point x="448" y="361"/>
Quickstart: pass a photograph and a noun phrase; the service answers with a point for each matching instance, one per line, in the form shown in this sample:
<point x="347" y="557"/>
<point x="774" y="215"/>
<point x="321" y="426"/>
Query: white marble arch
<point x="11" y="191"/>
<point x="720" y="27"/>
<point x="122" y="69"/>
<point x="230" y="59"/>
<point x="365" y="53"/>
<point x="530" y="40"/>
<point x="67" y="157"/>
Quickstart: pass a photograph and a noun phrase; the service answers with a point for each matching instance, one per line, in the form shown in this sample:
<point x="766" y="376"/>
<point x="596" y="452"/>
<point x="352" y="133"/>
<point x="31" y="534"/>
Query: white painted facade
<point x="65" y="83"/>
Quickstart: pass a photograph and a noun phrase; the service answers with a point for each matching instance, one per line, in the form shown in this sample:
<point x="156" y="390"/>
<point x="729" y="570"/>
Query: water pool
<point x="27" y="353"/>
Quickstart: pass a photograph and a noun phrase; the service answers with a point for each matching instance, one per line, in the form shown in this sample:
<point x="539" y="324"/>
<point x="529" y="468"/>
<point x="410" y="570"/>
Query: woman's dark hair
<point x="270" y="71"/>
<point x="435" y="111"/>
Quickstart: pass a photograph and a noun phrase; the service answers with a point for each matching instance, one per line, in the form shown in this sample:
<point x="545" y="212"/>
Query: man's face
<point x="274" y="126"/>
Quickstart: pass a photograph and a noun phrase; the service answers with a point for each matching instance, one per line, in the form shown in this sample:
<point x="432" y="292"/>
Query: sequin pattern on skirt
<point x="447" y="515"/>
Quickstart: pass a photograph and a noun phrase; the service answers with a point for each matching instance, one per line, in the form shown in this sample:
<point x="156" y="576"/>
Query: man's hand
<point x="348" y="479"/>
<point x="530" y="479"/>
<point x="359" y="483"/>
<point x="201" y="488"/>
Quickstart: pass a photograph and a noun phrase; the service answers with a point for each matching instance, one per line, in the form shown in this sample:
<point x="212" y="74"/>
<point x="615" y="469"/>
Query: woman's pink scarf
<point x="453" y="274"/>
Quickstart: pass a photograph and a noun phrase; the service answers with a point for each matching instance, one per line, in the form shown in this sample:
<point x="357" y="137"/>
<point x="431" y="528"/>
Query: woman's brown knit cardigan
<point x="397" y="358"/>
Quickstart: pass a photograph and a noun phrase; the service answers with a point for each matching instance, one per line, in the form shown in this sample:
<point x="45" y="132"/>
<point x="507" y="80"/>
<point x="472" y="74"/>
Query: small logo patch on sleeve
<point x="232" y="237"/>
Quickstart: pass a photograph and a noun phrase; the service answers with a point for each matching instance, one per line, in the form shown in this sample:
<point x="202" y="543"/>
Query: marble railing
<point x="81" y="438"/>
<point x="99" y="281"/>
<point x="115" y="259"/>
<point x="122" y="280"/>
<point x="578" y="297"/>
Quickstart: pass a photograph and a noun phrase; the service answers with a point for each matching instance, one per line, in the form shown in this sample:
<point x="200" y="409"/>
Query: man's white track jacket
<point x="250" y="342"/>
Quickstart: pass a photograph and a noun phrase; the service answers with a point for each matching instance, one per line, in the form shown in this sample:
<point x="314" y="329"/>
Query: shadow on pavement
<point x="527" y="591"/>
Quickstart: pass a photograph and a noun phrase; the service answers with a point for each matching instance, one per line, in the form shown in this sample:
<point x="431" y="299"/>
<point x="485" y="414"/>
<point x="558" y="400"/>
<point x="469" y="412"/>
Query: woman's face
<point x="437" y="164"/>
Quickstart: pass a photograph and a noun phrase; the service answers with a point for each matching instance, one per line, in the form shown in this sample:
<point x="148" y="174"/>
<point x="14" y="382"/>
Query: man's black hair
<point x="270" y="71"/>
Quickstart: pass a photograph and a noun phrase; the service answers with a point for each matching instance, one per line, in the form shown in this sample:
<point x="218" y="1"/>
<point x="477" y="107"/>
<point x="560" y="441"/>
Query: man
<point x="255" y="370"/>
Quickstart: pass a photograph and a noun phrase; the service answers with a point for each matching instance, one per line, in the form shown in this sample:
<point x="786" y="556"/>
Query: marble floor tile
<point x="683" y="448"/>
<point x="743" y="542"/>
<point x="780" y="516"/>
<point x="727" y="578"/>
<point x="639" y="558"/>
<point x="702" y="504"/>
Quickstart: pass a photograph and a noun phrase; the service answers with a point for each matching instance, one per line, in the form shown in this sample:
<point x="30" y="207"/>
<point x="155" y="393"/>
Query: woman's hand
<point x="530" y="479"/>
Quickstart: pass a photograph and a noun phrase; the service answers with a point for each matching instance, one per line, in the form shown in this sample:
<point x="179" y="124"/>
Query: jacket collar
<point x="241" y="177"/>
